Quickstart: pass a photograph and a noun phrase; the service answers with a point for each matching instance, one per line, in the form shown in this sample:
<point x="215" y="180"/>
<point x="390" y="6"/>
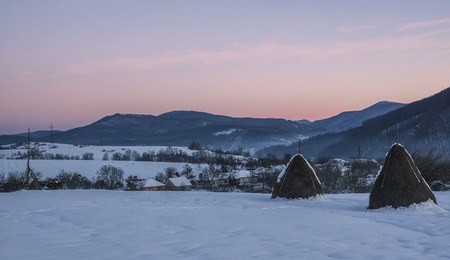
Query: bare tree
<point x="109" y="178"/>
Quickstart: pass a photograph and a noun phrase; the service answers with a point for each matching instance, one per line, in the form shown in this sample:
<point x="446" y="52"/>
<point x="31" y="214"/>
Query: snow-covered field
<point x="97" y="151"/>
<point x="98" y="224"/>
<point x="89" y="168"/>
<point x="51" y="168"/>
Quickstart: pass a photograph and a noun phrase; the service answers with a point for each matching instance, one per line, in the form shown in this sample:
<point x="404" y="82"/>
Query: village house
<point x="252" y="180"/>
<point x="245" y="178"/>
<point x="152" y="185"/>
<point x="178" y="184"/>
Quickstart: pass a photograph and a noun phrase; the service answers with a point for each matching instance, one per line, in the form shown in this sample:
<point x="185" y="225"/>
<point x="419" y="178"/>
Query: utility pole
<point x="51" y="135"/>
<point x="27" y="176"/>
<point x="29" y="172"/>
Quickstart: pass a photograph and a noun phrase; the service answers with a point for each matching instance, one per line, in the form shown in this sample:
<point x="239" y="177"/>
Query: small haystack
<point x="399" y="183"/>
<point x="297" y="180"/>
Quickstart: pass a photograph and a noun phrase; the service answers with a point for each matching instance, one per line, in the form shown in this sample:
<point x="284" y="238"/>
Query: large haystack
<point x="399" y="183"/>
<point x="297" y="180"/>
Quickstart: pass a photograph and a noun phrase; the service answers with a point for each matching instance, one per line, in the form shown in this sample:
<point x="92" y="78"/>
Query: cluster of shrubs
<point x="435" y="169"/>
<point x="347" y="176"/>
<point x="358" y="175"/>
<point x="36" y="154"/>
<point x="108" y="177"/>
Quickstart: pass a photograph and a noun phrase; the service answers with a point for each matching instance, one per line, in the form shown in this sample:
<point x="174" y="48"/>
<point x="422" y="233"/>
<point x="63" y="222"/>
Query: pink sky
<point x="72" y="63"/>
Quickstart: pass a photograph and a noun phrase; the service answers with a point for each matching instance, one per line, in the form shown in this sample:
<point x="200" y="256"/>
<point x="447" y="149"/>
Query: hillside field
<point x="88" y="168"/>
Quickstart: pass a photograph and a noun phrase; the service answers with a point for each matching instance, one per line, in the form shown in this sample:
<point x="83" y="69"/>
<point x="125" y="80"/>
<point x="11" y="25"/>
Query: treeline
<point x="107" y="177"/>
<point x="171" y="154"/>
<point x="435" y="169"/>
<point x="358" y="175"/>
<point x="199" y="155"/>
<point x="347" y="176"/>
<point x="336" y="176"/>
<point x="227" y="160"/>
<point x="36" y="154"/>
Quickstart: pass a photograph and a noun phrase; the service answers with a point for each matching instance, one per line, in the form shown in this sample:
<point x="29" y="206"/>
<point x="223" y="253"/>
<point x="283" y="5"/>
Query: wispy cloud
<point x="270" y="52"/>
<point x="425" y="24"/>
<point x="171" y="59"/>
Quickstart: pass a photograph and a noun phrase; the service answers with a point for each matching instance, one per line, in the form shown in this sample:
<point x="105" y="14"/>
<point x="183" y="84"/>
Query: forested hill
<point x="181" y="128"/>
<point x="352" y="119"/>
<point x="422" y="126"/>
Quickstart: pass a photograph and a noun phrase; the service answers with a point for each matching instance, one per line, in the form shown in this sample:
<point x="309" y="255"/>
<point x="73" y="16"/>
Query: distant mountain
<point x="181" y="128"/>
<point x="23" y="137"/>
<point x="422" y="126"/>
<point x="304" y="121"/>
<point x="352" y="119"/>
<point x="39" y="134"/>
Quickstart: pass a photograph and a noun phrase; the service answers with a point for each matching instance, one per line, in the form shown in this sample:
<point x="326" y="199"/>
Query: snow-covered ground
<point x="79" y="150"/>
<point x="98" y="224"/>
<point x="89" y="168"/>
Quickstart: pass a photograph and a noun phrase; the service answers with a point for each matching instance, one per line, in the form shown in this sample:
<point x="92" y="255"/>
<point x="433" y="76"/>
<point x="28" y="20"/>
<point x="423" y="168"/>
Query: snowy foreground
<point x="97" y="224"/>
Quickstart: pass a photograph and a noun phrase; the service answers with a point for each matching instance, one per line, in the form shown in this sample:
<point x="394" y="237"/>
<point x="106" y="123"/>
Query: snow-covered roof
<point x="151" y="183"/>
<point x="180" y="181"/>
<point x="242" y="174"/>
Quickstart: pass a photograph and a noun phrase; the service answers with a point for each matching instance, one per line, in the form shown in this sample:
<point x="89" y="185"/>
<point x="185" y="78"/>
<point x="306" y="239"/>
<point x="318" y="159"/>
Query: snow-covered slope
<point x="97" y="224"/>
<point x="51" y="168"/>
<point x="78" y="150"/>
<point x="88" y="168"/>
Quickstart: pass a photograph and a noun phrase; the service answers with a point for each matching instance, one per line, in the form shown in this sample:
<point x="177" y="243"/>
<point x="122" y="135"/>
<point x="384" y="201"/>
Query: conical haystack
<point x="297" y="180"/>
<point x="399" y="183"/>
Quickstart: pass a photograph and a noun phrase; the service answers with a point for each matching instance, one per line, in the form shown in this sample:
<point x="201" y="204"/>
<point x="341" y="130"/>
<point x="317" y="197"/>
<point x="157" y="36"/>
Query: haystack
<point x="399" y="183"/>
<point x="297" y="180"/>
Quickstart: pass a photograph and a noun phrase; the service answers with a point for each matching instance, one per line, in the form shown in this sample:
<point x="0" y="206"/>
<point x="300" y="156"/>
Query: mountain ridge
<point x="351" y="119"/>
<point x="421" y="126"/>
<point x="182" y="127"/>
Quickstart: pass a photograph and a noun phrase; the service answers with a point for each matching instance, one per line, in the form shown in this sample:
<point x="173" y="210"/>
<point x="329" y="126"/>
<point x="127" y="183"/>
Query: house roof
<point x="242" y="174"/>
<point x="180" y="181"/>
<point x="151" y="183"/>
